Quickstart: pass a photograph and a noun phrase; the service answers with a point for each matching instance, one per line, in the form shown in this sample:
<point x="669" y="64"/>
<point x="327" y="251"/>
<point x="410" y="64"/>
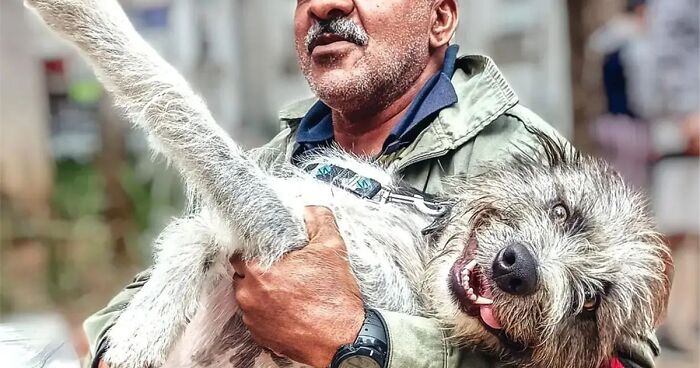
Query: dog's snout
<point x="515" y="270"/>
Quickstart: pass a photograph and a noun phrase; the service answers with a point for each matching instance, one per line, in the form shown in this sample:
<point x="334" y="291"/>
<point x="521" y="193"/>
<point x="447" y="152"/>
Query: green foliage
<point x="78" y="190"/>
<point x="69" y="258"/>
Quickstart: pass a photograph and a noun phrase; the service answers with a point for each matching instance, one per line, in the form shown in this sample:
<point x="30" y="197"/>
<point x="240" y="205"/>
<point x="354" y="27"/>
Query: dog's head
<point x="550" y="259"/>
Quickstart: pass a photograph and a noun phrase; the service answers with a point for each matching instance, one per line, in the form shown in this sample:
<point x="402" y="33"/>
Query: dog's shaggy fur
<point x="600" y="265"/>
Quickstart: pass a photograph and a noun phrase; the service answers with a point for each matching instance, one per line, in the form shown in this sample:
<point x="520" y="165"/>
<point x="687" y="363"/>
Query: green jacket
<point x="485" y="124"/>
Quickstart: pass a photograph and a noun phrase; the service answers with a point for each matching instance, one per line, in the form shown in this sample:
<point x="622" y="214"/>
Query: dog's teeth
<point x="483" y="301"/>
<point x="471" y="265"/>
<point x="470" y="291"/>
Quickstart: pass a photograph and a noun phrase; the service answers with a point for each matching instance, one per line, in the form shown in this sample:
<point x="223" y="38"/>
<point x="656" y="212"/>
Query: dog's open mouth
<point x="471" y="287"/>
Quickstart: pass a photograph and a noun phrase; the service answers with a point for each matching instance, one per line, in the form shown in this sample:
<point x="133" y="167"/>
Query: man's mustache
<point x="343" y="27"/>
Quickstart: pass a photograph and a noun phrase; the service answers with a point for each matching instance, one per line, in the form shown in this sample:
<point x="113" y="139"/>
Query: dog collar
<point x="370" y="189"/>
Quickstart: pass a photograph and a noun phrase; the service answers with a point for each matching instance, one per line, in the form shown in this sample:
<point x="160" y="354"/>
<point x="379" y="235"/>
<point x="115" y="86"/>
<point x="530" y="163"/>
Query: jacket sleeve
<point x="97" y="325"/>
<point x="421" y="343"/>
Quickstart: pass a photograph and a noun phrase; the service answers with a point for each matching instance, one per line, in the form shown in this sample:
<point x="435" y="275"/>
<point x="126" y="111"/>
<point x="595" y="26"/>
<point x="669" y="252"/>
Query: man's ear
<point x="444" y="19"/>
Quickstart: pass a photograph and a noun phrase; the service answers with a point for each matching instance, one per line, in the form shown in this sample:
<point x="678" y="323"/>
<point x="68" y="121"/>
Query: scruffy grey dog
<point x="547" y="260"/>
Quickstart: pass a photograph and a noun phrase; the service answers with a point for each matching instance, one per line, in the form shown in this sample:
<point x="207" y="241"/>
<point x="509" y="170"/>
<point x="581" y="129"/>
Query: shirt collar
<point x="437" y="94"/>
<point x="316" y="127"/>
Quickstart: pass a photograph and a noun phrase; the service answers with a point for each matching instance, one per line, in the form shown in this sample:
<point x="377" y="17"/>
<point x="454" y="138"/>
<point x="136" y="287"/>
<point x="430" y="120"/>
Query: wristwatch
<point x="370" y="349"/>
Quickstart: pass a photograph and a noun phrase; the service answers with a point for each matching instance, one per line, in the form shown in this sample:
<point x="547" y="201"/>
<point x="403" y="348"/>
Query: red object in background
<point x="56" y="88"/>
<point x="56" y="79"/>
<point x="54" y="66"/>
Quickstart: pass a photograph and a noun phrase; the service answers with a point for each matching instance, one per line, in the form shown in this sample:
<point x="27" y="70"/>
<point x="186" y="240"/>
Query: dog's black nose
<point x="515" y="270"/>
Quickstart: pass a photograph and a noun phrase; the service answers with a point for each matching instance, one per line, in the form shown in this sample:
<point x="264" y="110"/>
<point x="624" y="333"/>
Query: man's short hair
<point x="631" y="5"/>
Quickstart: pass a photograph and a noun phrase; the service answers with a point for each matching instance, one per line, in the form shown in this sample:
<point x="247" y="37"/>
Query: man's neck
<point x="363" y="133"/>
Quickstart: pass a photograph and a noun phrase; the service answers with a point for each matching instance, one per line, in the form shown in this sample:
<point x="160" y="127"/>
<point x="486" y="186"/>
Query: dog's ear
<point x="667" y="282"/>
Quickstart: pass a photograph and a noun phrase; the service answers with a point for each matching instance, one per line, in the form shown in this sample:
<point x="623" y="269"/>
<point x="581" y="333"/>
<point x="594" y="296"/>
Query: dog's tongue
<point x="487" y="316"/>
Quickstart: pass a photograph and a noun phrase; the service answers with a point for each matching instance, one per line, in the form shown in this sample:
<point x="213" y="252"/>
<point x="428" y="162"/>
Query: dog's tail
<point x="158" y="99"/>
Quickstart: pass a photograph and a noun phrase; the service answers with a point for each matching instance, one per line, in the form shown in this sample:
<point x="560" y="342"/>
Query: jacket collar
<point x="483" y="95"/>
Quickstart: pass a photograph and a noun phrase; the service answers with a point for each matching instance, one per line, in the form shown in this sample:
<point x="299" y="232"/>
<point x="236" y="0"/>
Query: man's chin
<point x="338" y="87"/>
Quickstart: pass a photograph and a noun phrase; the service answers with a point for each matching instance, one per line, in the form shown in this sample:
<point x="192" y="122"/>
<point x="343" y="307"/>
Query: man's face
<point x="359" y="54"/>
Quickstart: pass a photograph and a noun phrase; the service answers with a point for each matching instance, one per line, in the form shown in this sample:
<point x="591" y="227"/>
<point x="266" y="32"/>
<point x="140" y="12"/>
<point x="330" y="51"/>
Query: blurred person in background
<point x="650" y="131"/>
<point x="389" y="86"/>
<point x="622" y="131"/>
<point x="675" y="36"/>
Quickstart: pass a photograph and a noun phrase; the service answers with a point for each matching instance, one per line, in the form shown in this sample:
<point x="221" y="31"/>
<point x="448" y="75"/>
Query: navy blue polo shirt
<point x="316" y="127"/>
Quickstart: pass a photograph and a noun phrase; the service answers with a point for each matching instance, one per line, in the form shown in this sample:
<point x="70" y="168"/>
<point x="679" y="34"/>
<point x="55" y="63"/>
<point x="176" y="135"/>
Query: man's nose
<point x="327" y="9"/>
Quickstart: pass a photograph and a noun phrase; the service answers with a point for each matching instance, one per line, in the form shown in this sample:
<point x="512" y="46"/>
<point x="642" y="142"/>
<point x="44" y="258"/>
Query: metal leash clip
<point x="426" y="207"/>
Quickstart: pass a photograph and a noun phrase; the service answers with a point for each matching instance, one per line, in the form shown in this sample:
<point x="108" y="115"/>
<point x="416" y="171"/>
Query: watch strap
<point x="373" y="328"/>
<point x="372" y="341"/>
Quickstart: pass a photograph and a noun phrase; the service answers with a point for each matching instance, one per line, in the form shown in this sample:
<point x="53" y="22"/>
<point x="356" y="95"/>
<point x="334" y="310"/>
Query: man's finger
<point x="239" y="265"/>
<point x="320" y="223"/>
<point x="241" y="269"/>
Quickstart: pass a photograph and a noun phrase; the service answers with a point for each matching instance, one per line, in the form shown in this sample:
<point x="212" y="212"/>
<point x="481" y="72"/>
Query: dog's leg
<point x="187" y="265"/>
<point x="216" y="335"/>
<point x="159" y="100"/>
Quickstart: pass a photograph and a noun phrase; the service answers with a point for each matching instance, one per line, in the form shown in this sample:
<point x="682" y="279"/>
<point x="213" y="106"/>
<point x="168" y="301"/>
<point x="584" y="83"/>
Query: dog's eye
<point x="592" y="301"/>
<point x="560" y="213"/>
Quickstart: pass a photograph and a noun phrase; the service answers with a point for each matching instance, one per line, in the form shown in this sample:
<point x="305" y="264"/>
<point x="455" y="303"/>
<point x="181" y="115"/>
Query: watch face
<point x="359" y="361"/>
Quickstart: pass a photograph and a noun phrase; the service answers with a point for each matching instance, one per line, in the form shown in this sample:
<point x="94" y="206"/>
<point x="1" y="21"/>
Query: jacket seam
<point x="525" y="123"/>
<point x="482" y="124"/>
<point x="501" y="85"/>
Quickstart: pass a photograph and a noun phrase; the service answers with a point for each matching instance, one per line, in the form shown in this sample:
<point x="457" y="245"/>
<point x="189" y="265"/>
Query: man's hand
<point x="308" y="303"/>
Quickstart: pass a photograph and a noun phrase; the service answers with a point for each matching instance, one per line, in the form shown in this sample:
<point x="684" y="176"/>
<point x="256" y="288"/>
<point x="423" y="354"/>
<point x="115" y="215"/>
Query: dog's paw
<point x="62" y="15"/>
<point x="78" y="18"/>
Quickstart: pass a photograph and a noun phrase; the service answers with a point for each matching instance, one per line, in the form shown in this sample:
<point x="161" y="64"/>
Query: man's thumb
<point x="320" y="223"/>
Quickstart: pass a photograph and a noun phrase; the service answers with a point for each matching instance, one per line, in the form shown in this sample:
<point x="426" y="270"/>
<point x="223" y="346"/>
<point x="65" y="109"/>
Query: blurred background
<point x="81" y="197"/>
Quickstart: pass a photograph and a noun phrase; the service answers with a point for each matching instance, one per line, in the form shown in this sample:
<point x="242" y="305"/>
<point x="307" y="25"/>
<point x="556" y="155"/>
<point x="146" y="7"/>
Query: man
<point x="389" y="86"/>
